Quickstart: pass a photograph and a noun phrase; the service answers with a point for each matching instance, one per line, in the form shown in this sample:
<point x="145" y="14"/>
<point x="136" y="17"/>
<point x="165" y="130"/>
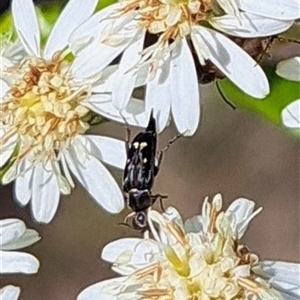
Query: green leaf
<point x="104" y="3"/>
<point x="282" y="93"/>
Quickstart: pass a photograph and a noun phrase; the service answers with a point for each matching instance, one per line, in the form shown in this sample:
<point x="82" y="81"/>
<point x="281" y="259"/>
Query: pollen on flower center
<point x="209" y="264"/>
<point x="43" y="106"/>
<point x="171" y="18"/>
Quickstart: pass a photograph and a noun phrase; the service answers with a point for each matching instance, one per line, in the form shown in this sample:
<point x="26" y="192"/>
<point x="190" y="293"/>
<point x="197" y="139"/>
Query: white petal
<point x="89" y="30"/>
<point x="28" y="238"/>
<point x="289" y="69"/>
<point x="249" y="25"/>
<point x="235" y="63"/>
<point x="105" y="83"/>
<point x="229" y="7"/>
<point x="193" y="224"/>
<point x="241" y="213"/>
<point x="158" y="97"/>
<point x="104" y="290"/>
<point x="18" y="262"/>
<point x="4" y="87"/>
<point x="276" y="9"/>
<point x="45" y="193"/>
<point x="184" y="91"/>
<point x="7" y="149"/>
<point x="23" y="183"/>
<point x="92" y="59"/>
<point x="126" y="77"/>
<point x="290" y="115"/>
<point x="134" y="113"/>
<point x="26" y="25"/>
<point x="10" y="174"/>
<point x="74" y="14"/>
<point x="10" y="292"/>
<point x="97" y="180"/>
<point x="11" y="229"/>
<point x="108" y="150"/>
<point x="129" y="254"/>
<point x="284" y="276"/>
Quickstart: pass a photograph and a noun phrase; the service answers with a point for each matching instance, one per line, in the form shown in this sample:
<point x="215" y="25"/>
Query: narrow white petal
<point x="229" y="7"/>
<point x="129" y="252"/>
<point x="18" y="262"/>
<point x="28" y="238"/>
<point x="184" y="91"/>
<point x="10" y="174"/>
<point x="108" y="150"/>
<point x="4" y="156"/>
<point x="126" y="77"/>
<point x="7" y="149"/>
<point x="74" y="14"/>
<point x="276" y="9"/>
<point x="94" y="58"/>
<point x="241" y="213"/>
<point x="200" y="46"/>
<point x="104" y="290"/>
<point x="284" y="276"/>
<point x="289" y="69"/>
<point x="23" y="183"/>
<point x="10" y="292"/>
<point x="105" y="83"/>
<point x="250" y="25"/>
<point x="26" y="25"/>
<point x="4" y="87"/>
<point x="290" y="115"/>
<point x="11" y="229"/>
<point x="45" y="193"/>
<point x="235" y="63"/>
<point x="158" y="98"/>
<point x="89" y="30"/>
<point x="134" y="113"/>
<point x="97" y="180"/>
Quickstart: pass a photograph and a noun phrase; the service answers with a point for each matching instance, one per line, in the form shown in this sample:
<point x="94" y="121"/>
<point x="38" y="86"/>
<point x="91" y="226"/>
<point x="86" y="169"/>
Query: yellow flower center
<point x="207" y="265"/>
<point x="43" y="107"/>
<point x="170" y="18"/>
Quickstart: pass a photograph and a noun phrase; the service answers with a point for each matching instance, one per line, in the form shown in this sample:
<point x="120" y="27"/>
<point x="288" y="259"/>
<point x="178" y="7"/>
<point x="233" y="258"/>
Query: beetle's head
<point x="139" y="200"/>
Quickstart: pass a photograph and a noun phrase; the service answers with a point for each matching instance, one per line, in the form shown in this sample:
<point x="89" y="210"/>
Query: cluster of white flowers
<point x="92" y="64"/>
<point x="202" y="259"/>
<point x="46" y="99"/>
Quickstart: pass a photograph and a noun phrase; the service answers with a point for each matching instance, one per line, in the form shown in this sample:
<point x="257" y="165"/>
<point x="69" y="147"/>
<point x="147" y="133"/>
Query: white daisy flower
<point x="289" y="69"/>
<point x="180" y="34"/>
<point x="14" y="235"/>
<point x="44" y="109"/>
<point x="203" y="259"/>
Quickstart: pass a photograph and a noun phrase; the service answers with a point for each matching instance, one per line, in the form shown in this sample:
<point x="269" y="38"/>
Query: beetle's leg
<point x="160" y="197"/>
<point x="128" y="133"/>
<point x="162" y="151"/>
